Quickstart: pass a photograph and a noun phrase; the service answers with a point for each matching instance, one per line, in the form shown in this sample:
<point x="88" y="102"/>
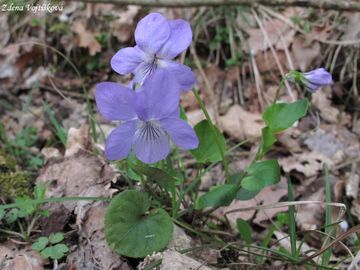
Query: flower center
<point x="149" y="130"/>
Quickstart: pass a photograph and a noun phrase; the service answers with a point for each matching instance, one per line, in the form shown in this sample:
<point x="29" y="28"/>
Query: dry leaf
<point x="352" y="185"/>
<point x="93" y="251"/>
<point x="81" y="173"/>
<point x="268" y="195"/>
<point x="327" y="112"/>
<point x="304" y="52"/>
<point x="172" y="260"/>
<point x="278" y="34"/>
<point x="180" y="240"/>
<point x="311" y="216"/>
<point x="284" y="241"/>
<point x="241" y="124"/>
<point x="123" y="27"/>
<point x="196" y="116"/>
<point x="24" y="259"/>
<point x="307" y="163"/>
<point x="86" y="38"/>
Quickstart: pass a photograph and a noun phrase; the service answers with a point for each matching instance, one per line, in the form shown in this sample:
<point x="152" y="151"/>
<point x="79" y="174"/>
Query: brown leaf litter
<point x="12" y="258"/>
<point x="81" y="173"/>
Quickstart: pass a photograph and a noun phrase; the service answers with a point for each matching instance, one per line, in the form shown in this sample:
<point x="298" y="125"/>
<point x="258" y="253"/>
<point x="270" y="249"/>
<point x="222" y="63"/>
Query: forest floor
<point x="49" y="66"/>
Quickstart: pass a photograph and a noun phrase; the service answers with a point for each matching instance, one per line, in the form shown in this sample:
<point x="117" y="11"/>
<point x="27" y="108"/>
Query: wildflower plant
<point x="158" y="41"/>
<point x="137" y="223"/>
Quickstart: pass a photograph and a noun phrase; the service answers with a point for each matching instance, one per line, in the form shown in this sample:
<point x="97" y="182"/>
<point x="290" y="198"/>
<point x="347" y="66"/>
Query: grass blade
<point x="292" y="223"/>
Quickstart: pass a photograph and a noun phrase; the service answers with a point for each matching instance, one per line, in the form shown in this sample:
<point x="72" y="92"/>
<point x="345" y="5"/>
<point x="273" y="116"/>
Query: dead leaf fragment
<point x="86" y="38"/>
<point x="307" y="163"/>
<point x="241" y="124"/>
<point x="304" y="52"/>
<point x="173" y="260"/>
<point x="327" y="112"/>
<point x="24" y="259"/>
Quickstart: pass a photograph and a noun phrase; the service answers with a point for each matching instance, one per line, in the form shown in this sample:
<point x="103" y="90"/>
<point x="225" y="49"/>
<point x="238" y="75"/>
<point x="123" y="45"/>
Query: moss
<point x="13" y="182"/>
<point x="7" y="163"/>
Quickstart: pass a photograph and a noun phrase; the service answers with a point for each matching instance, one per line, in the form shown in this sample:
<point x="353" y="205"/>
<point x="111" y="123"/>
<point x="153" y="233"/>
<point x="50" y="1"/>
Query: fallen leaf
<point x="307" y="163"/>
<point x="328" y="112"/>
<point x="180" y="240"/>
<point x="81" y="173"/>
<point x="305" y="52"/>
<point x="123" y="27"/>
<point x="173" y="260"/>
<point x="93" y="252"/>
<point x="352" y="185"/>
<point x="311" y="216"/>
<point x="268" y="195"/>
<point x="284" y="241"/>
<point x="241" y="124"/>
<point x="86" y="38"/>
<point x="197" y="116"/>
<point x="24" y="259"/>
<point x="277" y="34"/>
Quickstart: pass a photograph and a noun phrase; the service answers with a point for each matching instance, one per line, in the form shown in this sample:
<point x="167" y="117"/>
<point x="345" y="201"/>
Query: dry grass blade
<point x="331" y="244"/>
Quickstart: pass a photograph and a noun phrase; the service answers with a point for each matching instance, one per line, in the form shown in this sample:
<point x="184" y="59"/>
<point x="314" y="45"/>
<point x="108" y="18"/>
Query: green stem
<point x="292" y="222"/>
<point x="50" y="200"/>
<point x="213" y="128"/>
<point x="13" y="233"/>
<point x="277" y="93"/>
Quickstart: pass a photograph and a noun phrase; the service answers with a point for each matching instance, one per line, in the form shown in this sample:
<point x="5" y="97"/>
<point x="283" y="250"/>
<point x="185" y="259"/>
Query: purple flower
<point x="316" y="78"/>
<point x="158" y="41"/>
<point x="149" y="119"/>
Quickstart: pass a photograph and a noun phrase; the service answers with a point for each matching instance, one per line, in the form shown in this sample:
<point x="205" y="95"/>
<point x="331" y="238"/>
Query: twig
<point x="345" y="5"/>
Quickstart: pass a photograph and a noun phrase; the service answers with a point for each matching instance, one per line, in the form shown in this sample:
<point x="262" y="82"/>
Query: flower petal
<point x="120" y="141"/>
<point x="126" y="60"/>
<point x="180" y="132"/>
<point x="159" y="96"/>
<point x="179" y="40"/>
<point x="319" y="76"/>
<point x="183" y="74"/>
<point x="144" y="70"/>
<point x="151" y="145"/>
<point x="115" y="102"/>
<point x="152" y="32"/>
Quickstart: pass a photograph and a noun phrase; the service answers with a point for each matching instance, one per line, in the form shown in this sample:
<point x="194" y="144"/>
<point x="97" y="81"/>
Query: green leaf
<point x="55" y="238"/>
<point x="217" y="196"/>
<point x="39" y="191"/>
<point x="132" y="230"/>
<point x="40" y="243"/>
<point x="208" y="150"/>
<point x="281" y="116"/>
<point x="244" y="230"/>
<point x="163" y="179"/>
<point x="267" y="140"/>
<point x="244" y="195"/>
<point x="2" y="213"/>
<point x="261" y="174"/>
<point x="26" y="206"/>
<point x="12" y="215"/>
<point x="55" y="252"/>
<point x="183" y="115"/>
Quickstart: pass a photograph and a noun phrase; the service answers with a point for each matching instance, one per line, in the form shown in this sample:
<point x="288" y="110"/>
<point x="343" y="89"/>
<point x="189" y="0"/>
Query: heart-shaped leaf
<point x="132" y="230"/>
<point x="55" y="252"/>
<point x="55" y="238"/>
<point x="208" y="150"/>
<point x="40" y="243"/>
<point x="281" y="116"/>
<point x="261" y="174"/>
<point x="217" y="196"/>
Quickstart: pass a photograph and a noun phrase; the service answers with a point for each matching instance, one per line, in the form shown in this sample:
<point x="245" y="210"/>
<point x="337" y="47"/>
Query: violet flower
<point x="316" y="78"/>
<point x="158" y="41"/>
<point x="149" y="119"/>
